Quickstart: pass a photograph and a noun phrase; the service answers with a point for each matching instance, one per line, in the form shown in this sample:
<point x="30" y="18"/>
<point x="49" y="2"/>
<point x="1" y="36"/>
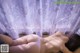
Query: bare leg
<point x="26" y="39"/>
<point x="25" y="48"/>
<point x="6" y="39"/>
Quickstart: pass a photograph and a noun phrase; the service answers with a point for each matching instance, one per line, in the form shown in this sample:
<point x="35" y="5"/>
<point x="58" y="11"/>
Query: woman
<point x="28" y="44"/>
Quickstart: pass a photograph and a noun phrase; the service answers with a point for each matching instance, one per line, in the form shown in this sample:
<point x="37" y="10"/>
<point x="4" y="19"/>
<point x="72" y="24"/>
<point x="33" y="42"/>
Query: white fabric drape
<point x="38" y="16"/>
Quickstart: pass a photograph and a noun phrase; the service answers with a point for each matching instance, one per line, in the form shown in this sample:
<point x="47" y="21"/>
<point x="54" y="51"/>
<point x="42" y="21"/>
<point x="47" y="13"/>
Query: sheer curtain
<point x="38" y="16"/>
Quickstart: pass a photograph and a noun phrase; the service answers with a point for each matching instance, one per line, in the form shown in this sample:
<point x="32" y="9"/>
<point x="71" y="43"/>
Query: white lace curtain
<point x="38" y="16"/>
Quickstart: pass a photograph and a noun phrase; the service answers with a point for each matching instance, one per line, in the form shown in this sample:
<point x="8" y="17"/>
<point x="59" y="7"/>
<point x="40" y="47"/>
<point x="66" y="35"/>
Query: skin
<point x="6" y="39"/>
<point x="54" y="42"/>
<point x="28" y="44"/>
<point x="25" y="44"/>
<point x="31" y="47"/>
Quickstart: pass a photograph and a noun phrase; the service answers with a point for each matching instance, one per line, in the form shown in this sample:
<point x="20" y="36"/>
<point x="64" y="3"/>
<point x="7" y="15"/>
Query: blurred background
<point x="38" y="16"/>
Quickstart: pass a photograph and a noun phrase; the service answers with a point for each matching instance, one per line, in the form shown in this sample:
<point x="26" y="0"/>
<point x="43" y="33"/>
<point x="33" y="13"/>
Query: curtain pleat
<point x="38" y="16"/>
